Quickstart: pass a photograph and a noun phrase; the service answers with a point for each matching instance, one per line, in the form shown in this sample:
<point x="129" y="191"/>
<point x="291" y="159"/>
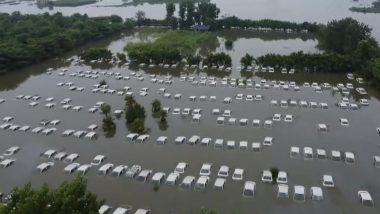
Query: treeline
<point x="348" y="47"/>
<point x="330" y="62"/>
<point x="191" y="13"/>
<point x="28" y="39"/>
<point x="233" y="21"/>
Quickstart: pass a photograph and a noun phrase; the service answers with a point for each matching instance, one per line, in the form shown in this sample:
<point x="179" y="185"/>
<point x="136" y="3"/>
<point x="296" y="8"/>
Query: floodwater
<point x="359" y="137"/>
<point x="322" y="11"/>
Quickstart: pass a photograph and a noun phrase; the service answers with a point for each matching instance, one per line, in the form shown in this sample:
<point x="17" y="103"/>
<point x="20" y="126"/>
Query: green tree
<point x="343" y="36"/>
<point x="106" y="109"/>
<point x="140" y="17"/>
<point x="70" y="197"/>
<point x="170" y="9"/>
<point x="103" y="82"/>
<point x="96" y="54"/>
<point x="375" y="69"/>
<point x="137" y="126"/>
<point x="246" y="60"/>
<point x="182" y="14"/>
<point x="163" y="116"/>
<point x="156" y="106"/>
<point x="121" y="56"/>
<point x="229" y="44"/>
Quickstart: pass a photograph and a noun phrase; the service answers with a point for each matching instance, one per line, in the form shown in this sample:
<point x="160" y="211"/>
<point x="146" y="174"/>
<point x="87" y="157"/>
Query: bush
<point x="229" y="44"/>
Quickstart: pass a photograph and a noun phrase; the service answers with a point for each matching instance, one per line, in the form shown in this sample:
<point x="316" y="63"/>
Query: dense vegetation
<point x="96" y="54"/>
<point x="348" y="47"/>
<point x="233" y="21"/>
<point x="169" y="47"/>
<point x="108" y="125"/>
<point x="28" y="39"/>
<point x="70" y="197"/>
<point x="217" y="59"/>
<point x="134" y="115"/>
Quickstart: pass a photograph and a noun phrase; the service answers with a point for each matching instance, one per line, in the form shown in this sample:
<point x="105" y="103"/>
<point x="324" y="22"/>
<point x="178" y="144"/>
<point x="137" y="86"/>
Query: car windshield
<point x="205" y="171"/>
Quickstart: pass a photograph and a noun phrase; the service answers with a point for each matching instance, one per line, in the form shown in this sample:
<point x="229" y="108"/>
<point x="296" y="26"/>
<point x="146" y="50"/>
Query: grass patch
<point x="169" y="46"/>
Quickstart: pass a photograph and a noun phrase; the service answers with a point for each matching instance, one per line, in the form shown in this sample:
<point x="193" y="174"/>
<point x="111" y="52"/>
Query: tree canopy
<point x="343" y="36"/>
<point x="70" y="197"/>
<point x="28" y="39"/>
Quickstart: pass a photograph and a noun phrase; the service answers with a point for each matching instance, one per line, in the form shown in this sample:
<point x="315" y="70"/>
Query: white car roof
<point x="84" y="167"/>
<point x="298" y="189"/>
<point x="238" y="171"/>
<point x="365" y="195"/>
<point x="71" y="166"/>
<point x="327" y="178"/>
<point x="267" y="173"/>
<point x="99" y="157"/>
<point x="121" y="210"/>
<point x="188" y="179"/>
<point x="142" y="211"/>
<point x="72" y="156"/>
<point x="158" y="176"/>
<point x="103" y="209"/>
<point x="249" y="185"/>
<point x="203" y="180"/>
<point x="283" y="188"/>
<point x="219" y="182"/>
<point x="106" y="167"/>
<point x="44" y="165"/>
<point x="295" y="149"/>
<point x="349" y="155"/>
<point x="172" y="177"/>
<point x="316" y="191"/>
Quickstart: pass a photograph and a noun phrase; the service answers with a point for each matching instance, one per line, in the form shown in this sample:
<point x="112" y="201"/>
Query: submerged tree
<point x="134" y="115"/>
<point x="106" y="109"/>
<point x="103" y="82"/>
<point x="156" y="107"/>
<point x="229" y="44"/>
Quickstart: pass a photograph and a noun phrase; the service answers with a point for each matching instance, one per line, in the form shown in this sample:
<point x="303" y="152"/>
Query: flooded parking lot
<point x="360" y="137"/>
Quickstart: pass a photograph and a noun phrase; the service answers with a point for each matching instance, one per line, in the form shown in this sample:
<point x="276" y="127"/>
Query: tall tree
<point x="190" y="12"/>
<point x="140" y="17"/>
<point x="182" y="14"/>
<point x="170" y="9"/>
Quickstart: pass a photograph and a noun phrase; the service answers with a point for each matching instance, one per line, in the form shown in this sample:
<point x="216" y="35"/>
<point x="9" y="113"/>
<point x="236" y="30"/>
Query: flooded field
<point x="360" y="137"/>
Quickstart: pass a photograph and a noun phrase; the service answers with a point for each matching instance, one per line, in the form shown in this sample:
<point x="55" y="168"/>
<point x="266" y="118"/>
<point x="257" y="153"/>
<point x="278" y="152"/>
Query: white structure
<point x="205" y="169"/>
<point x="266" y="176"/>
<point x="282" y="191"/>
<point x="316" y="193"/>
<point x="365" y="198"/>
<point x="238" y="174"/>
<point x="249" y="189"/>
<point x="328" y="181"/>
<point x="299" y="193"/>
